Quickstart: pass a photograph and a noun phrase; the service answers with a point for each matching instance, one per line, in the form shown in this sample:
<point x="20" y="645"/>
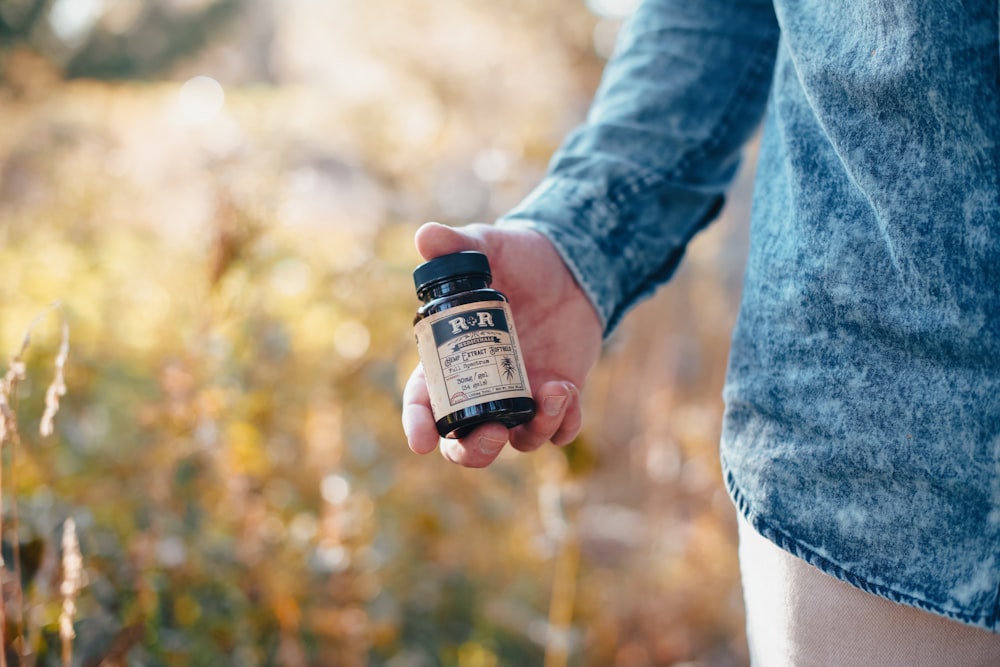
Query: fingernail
<point x="553" y="405"/>
<point x="489" y="446"/>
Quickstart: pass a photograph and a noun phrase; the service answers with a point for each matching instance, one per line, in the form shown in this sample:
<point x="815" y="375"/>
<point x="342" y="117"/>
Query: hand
<point x="559" y="331"/>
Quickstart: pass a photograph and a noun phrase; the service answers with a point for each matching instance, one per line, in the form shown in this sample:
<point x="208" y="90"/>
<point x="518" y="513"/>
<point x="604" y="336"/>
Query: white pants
<point x="797" y="615"/>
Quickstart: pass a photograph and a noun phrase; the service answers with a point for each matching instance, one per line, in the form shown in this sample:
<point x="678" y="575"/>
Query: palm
<point x="558" y="328"/>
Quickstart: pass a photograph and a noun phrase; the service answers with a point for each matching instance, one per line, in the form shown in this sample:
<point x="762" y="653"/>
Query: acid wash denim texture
<point x="862" y="424"/>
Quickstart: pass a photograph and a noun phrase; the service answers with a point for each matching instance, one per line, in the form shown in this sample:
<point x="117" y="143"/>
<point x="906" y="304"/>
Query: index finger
<point x="418" y="420"/>
<point x="476" y="450"/>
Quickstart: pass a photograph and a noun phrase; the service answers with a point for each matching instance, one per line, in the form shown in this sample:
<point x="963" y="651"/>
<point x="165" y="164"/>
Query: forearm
<point x="648" y="169"/>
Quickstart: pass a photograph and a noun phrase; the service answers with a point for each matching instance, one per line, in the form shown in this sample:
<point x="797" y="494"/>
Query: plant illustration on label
<point x="507" y="364"/>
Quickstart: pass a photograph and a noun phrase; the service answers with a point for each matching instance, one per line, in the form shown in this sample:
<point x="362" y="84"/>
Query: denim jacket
<point x="862" y="423"/>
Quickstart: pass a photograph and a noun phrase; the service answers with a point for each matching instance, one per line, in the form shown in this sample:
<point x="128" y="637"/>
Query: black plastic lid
<point x="456" y="264"/>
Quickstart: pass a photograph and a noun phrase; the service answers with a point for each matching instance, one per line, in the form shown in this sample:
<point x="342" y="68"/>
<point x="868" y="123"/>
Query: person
<point x="861" y="435"/>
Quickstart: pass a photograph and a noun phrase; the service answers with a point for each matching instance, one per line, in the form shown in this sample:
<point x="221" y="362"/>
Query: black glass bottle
<point x="468" y="346"/>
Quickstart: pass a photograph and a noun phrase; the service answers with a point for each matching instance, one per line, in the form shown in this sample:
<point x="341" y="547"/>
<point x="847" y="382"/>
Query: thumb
<point x="434" y="239"/>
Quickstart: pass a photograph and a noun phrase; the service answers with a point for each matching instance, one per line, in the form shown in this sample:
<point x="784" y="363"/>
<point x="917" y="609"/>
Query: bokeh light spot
<point x="201" y="99"/>
<point x="171" y="552"/>
<point x="290" y="276"/>
<point x="612" y="8"/>
<point x="335" y="489"/>
<point x="333" y="558"/>
<point x="492" y="165"/>
<point x="71" y="20"/>
<point x="303" y="527"/>
<point x="351" y="339"/>
<point x="605" y="36"/>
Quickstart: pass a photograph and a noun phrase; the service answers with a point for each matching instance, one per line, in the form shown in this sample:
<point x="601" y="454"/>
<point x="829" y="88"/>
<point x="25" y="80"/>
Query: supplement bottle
<point x="468" y="346"/>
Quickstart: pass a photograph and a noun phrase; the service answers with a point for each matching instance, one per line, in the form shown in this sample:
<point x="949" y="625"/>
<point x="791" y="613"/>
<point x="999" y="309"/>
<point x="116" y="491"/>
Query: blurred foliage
<point x="234" y="262"/>
<point x="128" y="39"/>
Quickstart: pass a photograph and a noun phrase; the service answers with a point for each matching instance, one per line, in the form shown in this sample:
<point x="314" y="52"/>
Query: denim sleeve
<point x="628" y="189"/>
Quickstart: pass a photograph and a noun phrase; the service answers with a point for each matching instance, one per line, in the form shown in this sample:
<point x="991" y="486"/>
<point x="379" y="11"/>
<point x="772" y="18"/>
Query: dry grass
<point x="10" y="439"/>
<point x="72" y="565"/>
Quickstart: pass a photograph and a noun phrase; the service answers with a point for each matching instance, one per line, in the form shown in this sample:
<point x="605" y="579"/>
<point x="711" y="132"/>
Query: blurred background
<point x="221" y="195"/>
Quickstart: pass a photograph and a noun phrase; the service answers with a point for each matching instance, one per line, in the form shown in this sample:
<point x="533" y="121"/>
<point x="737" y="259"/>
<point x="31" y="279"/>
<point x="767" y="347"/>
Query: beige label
<point x="470" y="355"/>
